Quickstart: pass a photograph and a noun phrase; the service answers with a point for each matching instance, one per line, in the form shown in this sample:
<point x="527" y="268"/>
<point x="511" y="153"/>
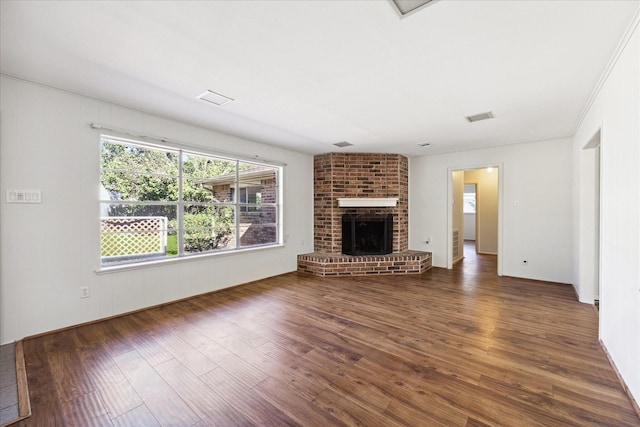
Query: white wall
<point x="615" y="112"/>
<point x="469" y="226"/>
<point x="536" y="205"/>
<point x="49" y="250"/>
<point x="486" y="208"/>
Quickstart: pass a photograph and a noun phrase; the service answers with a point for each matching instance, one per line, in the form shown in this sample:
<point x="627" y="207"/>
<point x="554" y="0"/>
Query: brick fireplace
<point x="362" y="176"/>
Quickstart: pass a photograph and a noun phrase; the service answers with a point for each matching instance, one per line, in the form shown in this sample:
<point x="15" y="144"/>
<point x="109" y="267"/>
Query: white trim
<point x="610" y="66"/>
<point x="365" y="202"/>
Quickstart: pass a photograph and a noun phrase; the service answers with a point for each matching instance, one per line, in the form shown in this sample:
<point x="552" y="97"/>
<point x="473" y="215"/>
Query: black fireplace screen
<point x="367" y="234"/>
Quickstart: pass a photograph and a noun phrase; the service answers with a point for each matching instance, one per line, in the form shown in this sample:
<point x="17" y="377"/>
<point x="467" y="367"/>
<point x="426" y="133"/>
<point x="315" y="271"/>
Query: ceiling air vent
<point x="481" y="116"/>
<point x="215" y="98"/>
<point x="343" y="144"/>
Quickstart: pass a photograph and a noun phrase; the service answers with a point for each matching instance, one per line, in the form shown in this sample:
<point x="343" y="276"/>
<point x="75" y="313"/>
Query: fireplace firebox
<point x="367" y="234"/>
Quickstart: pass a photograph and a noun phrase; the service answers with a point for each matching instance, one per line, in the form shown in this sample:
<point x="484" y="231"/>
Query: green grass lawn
<point x="172" y="244"/>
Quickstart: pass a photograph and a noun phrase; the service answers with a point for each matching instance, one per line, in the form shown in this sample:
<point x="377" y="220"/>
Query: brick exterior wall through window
<point x="258" y="226"/>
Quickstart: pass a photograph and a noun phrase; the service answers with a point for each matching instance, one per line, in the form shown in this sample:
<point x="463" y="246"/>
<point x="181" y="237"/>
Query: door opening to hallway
<point x="474" y="215"/>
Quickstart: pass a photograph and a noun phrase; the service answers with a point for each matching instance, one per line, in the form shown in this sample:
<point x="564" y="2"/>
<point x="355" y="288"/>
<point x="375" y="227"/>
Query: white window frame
<point x="181" y="203"/>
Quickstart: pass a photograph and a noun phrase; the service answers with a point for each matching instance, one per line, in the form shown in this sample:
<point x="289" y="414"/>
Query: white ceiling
<point x="307" y="74"/>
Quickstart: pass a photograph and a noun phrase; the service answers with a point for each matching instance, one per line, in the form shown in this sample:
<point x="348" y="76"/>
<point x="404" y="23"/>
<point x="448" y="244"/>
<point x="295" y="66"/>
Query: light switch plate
<point x="24" y="196"/>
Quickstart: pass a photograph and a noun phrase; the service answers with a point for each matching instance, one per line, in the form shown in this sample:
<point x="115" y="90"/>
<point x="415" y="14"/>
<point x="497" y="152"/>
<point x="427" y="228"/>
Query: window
<point x="249" y="195"/>
<point x="160" y="202"/>
<point x="469" y="203"/>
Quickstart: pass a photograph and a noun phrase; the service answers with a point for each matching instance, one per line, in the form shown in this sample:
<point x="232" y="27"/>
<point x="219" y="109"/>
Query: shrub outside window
<point x="160" y="202"/>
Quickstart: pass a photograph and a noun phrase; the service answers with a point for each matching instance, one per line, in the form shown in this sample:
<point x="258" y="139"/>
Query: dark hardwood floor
<point x="459" y="347"/>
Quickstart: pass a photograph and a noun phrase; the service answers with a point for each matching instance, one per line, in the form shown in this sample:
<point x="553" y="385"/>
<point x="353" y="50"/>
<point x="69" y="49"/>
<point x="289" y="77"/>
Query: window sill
<point x="173" y="260"/>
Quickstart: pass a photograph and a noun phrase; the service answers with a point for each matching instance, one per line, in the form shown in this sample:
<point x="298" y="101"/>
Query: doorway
<point x="590" y="208"/>
<point x="475" y="213"/>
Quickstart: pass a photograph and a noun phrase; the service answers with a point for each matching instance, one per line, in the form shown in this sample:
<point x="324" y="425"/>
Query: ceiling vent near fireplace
<point x="481" y="116"/>
<point x="343" y="144"/>
<point x="367" y="202"/>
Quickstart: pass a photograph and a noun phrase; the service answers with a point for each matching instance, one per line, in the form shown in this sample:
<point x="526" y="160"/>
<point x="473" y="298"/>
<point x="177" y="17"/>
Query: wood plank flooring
<point x="455" y="348"/>
<point x="8" y="385"/>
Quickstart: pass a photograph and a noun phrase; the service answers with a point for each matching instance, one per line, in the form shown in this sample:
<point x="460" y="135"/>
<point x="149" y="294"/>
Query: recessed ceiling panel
<point x="407" y="6"/>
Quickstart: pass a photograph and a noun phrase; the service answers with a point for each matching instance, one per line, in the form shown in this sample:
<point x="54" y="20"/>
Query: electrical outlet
<point x="84" y="292"/>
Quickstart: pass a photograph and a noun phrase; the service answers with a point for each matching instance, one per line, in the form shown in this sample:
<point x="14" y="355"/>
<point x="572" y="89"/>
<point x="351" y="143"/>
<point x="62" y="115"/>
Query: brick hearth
<point x="407" y="262"/>
<point x="360" y="175"/>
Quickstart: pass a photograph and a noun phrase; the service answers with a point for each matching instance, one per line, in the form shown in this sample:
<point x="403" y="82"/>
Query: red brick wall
<point x="256" y="227"/>
<point x="338" y="175"/>
<point x="409" y="262"/>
